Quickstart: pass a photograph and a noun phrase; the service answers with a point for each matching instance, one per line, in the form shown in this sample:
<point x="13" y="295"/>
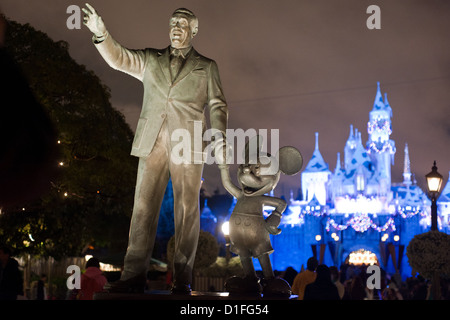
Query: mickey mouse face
<point x="261" y="172"/>
<point x="252" y="182"/>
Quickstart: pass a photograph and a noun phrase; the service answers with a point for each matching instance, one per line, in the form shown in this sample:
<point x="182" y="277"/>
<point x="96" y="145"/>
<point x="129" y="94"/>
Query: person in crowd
<point x="41" y="293"/>
<point x="335" y="279"/>
<point x="322" y="288"/>
<point x="356" y="288"/>
<point x="418" y="288"/>
<point x="304" y="278"/>
<point x="289" y="275"/>
<point x="392" y="291"/>
<point x="390" y="294"/>
<point x="11" y="283"/>
<point x="92" y="280"/>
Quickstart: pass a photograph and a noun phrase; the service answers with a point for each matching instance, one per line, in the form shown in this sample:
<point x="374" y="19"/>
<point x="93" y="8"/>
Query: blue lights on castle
<point x="356" y="214"/>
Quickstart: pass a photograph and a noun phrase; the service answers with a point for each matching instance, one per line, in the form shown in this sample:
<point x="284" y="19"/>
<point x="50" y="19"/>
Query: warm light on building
<point x="361" y="257"/>
<point x="104" y="266"/>
<point x="360" y="204"/>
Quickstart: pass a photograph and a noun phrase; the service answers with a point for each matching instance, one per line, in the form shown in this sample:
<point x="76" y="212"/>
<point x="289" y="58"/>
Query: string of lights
<point x="330" y="91"/>
<point x="360" y="223"/>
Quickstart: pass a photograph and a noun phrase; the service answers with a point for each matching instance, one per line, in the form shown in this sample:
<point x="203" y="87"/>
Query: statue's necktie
<point x="176" y="60"/>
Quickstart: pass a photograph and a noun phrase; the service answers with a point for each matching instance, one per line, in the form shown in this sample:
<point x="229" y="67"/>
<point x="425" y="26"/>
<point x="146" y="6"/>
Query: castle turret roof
<point x="316" y="164"/>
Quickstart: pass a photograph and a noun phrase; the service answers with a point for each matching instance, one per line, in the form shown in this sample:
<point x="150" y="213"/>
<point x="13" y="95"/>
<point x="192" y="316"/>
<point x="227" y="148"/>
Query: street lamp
<point x="226" y="229"/>
<point x="434" y="182"/>
<point x="226" y="233"/>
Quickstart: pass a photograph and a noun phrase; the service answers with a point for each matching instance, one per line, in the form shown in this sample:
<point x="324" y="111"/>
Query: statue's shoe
<point x="132" y="285"/>
<point x="243" y="286"/>
<point x="277" y="288"/>
<point x="183" y="289"/>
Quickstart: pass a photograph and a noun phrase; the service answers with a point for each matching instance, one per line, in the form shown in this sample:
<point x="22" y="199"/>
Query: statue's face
<point x="252" y="182"/>
<point x="180" y="32"/>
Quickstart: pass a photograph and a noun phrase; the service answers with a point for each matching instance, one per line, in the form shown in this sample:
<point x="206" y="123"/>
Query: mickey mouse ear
<point x="290" y="160"/>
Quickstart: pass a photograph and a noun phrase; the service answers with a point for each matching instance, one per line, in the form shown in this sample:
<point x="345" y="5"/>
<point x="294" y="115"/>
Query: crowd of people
<point x="316" y="282"/>
<point x="320" y="282"/>
<point x="11" y="281"/>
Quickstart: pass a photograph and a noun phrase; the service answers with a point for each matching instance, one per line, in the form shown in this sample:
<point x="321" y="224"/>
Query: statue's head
<point x="183" y="26"/>
<point x="261" y="171"/>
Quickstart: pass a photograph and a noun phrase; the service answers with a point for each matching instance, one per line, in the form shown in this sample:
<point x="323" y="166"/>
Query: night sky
<point x="298" y="66"/>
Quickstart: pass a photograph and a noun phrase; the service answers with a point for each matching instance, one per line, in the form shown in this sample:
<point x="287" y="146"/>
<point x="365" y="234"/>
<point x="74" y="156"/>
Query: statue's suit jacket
<point x="180" y="101"/>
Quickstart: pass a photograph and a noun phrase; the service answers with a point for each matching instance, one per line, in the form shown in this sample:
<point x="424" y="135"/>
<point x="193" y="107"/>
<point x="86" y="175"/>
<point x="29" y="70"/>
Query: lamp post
<point x="226" y="233"/>
<point x="434" y="182"/>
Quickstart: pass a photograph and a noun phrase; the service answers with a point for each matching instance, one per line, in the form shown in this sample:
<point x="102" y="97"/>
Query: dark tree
<point x="89" y="202"/>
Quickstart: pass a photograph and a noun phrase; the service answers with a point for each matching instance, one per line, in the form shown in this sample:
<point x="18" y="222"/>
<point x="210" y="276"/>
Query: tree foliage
<point x="90" y="201"/>
<point x="428" y="254"/>
<point x="207" y="250"/>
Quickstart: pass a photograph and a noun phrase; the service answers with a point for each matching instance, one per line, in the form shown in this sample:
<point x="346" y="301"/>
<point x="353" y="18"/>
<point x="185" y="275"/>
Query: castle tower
<point x="379" y="145"/>
<point x="336" y="180"/>
<point x="407" y="168"/>
<point x="315" y="177"/>
<point x="350" y="146"/>
<point x="359" y="170"/>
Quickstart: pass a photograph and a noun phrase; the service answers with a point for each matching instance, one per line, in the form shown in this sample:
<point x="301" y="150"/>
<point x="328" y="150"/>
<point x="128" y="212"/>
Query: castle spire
<point x="350" y="146"/>
<point x="407" y="167"/>
<point x="386" y="102"/>
<point x="387" y="105"/>
<point x="317" y="141"/>
<point x="350" y="136"/>
<point x="378" y="103"/>
<point x="316" y="164"/>
<point x="315" y="177"/>
<point x="338" y="162"/>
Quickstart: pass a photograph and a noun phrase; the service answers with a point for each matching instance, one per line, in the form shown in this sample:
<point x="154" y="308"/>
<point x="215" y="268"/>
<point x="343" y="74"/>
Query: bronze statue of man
<point x="180" y="85"/>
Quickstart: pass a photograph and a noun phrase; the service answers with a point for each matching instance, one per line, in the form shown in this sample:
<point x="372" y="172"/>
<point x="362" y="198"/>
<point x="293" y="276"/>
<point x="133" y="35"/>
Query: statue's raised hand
<point x="93" y="21"/>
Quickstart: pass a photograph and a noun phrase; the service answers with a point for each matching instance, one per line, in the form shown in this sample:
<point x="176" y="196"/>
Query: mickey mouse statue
<point x="249" y="231"/>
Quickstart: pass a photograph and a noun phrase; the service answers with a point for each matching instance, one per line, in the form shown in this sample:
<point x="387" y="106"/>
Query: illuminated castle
<point x="356" y="211"/>
<point x="366" y="171"/>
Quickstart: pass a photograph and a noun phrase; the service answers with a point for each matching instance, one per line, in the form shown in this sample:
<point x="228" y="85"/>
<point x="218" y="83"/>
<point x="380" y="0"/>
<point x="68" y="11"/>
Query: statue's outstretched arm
<point x="94" y="22"/>
<point x="117" y="56"/>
